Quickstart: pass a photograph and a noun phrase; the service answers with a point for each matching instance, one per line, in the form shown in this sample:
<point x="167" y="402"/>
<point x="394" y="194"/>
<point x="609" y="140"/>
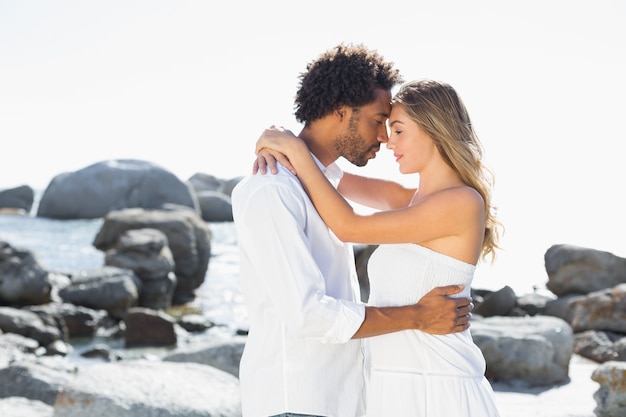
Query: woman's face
<point x="412" y="147"/>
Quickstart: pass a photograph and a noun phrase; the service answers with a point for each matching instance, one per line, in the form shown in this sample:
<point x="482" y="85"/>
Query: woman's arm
<point x="376" y="193"/>
<point x="435" y="217"/>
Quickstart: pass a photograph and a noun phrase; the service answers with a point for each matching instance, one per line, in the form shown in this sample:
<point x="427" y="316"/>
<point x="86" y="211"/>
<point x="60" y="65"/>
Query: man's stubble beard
<point x="350" y="145"/>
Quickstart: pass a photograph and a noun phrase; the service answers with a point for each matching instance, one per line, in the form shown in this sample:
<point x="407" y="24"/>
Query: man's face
<point x="366" y="130"/>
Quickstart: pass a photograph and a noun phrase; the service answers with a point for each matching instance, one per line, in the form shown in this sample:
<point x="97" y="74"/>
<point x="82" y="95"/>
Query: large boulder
<point x="601" y="310"/>
<point x="22" y="279"/>
<point x="147" y="254"/>
<point x="578" y="270"/>
<point x="221" y="354"/>
<point x="188" y="237"/>
<point x="35" y="379"/>
<point x="533" y="351"/>
<point x="23" y="407"/>
<point x="611" y="396"/>
<point x="109" y="288"/>
<point x="98" y="189"/>
<point x="20" y="198"/>
<point x="145" y="388"/>
<point x="29" y="324"/>
<point x="215" y="206"/>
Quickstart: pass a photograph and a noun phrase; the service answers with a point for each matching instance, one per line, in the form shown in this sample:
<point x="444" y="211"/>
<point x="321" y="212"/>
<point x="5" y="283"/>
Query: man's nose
<point x="383" y="136"/>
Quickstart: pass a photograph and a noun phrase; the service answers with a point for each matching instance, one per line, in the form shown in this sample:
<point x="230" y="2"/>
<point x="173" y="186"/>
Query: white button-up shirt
<point x="302" y="295"/>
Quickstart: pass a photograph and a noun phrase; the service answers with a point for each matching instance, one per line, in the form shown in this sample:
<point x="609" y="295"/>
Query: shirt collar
<point x="333" y="172"/>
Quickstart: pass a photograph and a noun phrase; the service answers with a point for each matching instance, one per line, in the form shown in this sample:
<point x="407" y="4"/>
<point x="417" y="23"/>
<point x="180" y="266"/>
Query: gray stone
<point x="601" y="310"/>
<point x="41" y="381"/>
<point x="144" y="388"/>
<point x="221" y="354"/>
<point x="611" y="396"/>
<point x="20" y="198"/>
<point x="22" y="279"/>
<point x="497" y="303"/>
<point x="188" y="236"/>
<point x="23" y="407"/>
<point x="106" y="186"/>
<point x="28" y="324"/>
<point x="215" y="206"/>
<point x="577" y="270"/>
<point x="531" y="351"/>
<point x="112" y="289"/>
<point x="145" y="327"/>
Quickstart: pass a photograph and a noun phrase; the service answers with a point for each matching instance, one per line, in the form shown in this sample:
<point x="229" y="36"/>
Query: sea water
<point x="66" y="246"/>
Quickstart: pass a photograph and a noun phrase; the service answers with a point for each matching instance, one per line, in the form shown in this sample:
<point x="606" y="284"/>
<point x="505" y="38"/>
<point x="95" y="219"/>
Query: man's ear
<point x="341" y="113"/>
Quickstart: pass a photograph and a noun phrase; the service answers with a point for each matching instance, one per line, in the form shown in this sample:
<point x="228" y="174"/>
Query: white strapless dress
<point x="412" y="373"/>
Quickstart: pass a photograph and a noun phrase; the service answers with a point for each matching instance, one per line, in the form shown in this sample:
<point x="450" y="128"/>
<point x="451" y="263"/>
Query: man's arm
<point x="435" y="313"/>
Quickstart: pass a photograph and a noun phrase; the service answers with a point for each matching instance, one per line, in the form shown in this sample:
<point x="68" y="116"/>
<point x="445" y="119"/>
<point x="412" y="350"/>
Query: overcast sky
<point x="190" y="85"/>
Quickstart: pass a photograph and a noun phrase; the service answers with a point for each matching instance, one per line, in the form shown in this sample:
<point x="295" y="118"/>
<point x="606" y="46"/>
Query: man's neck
<point x="319" y="146"/>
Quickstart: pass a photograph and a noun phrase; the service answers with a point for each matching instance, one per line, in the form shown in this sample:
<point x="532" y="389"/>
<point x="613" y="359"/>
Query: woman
<point x="430" y="236"/>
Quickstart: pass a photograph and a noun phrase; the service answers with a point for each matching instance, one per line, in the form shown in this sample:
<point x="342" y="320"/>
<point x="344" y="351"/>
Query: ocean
<point x="66" y="246"/>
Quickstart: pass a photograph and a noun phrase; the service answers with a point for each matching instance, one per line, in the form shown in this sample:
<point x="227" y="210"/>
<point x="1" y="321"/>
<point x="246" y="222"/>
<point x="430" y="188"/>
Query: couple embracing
<point x="314" y="348"/>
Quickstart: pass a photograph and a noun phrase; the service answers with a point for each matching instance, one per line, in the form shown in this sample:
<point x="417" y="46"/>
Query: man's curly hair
<point x="344" y="75"/>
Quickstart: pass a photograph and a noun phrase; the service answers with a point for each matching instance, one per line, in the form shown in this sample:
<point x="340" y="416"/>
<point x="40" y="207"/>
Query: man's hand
<point x="438" y="313"/>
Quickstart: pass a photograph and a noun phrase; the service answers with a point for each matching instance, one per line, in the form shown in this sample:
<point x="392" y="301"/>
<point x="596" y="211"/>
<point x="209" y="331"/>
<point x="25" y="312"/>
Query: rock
<point x="221" y="354"/>
<point x="106" y="186"/>
<point x="498" y="303"/>
<point x="20" y="198"/>
<point x="533" y="303"/>
<point x="23" y="407"/>
<point x="78" y="320"/>
<point x="35" y="380"/>
<point x="188" y="236"/>
<point x="600" y="346"/>
<point x="28" y="324"/>
<point x="112" y="289"/>
<point x="533" y="351"/>
<point x="205" y="182"/>
<point x="601" y="310"/>
<point x="146" y="327"/>
<point x="561" y="307"/>
<point x="13" y="212"/>
<point x="22" y="280"/>
<point x="227" y="187"/>
<point x="101" y="351"/>
<point x="611" y="396"/>
<point x="141" y="388"/>
<point x="576" y="270"/>
<point x="147" y="254"/>
<point x="362" y="255"/>
<point x="195" y="323"/>
<point x="14" y="346"/>
<point x="215" y="206"/>
<point x="145" y="251"/>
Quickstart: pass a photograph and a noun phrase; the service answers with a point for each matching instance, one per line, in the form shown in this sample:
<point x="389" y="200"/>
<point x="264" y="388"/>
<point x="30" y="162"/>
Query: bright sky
<point x="190" y="85"/>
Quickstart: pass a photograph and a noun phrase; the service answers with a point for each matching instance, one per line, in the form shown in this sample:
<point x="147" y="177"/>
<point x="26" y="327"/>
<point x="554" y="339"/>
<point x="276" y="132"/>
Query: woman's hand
<point x="268" y="155"/>
<point x="267" y="158"/>
<point x="277" y="138"/>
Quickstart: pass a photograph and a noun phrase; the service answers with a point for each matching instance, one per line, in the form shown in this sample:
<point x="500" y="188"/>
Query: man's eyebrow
<point x="383" y="114"/>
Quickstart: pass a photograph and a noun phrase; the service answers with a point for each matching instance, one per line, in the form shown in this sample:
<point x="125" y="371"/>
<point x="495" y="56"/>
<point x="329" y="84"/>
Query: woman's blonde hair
<point x="438" y="109"/>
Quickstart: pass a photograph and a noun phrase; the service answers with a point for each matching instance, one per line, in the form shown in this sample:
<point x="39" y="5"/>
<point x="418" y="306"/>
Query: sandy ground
<point x="571" y="399"/>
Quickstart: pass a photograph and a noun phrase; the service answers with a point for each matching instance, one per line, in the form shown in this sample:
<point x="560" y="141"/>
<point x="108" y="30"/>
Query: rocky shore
<point x="157" y="248"/>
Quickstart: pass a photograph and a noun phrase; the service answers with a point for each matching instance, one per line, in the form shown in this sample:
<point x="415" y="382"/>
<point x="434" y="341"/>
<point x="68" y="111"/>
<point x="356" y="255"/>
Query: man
<point x="303" y="355"/>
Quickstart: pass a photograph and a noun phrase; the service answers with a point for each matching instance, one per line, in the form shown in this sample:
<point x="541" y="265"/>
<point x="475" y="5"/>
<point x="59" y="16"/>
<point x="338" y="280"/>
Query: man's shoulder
<point x="253" y="183"/>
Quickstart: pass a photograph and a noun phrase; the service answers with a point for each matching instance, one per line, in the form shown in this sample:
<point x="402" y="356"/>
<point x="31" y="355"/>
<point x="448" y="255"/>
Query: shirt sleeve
<point x="275" y="218"/>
